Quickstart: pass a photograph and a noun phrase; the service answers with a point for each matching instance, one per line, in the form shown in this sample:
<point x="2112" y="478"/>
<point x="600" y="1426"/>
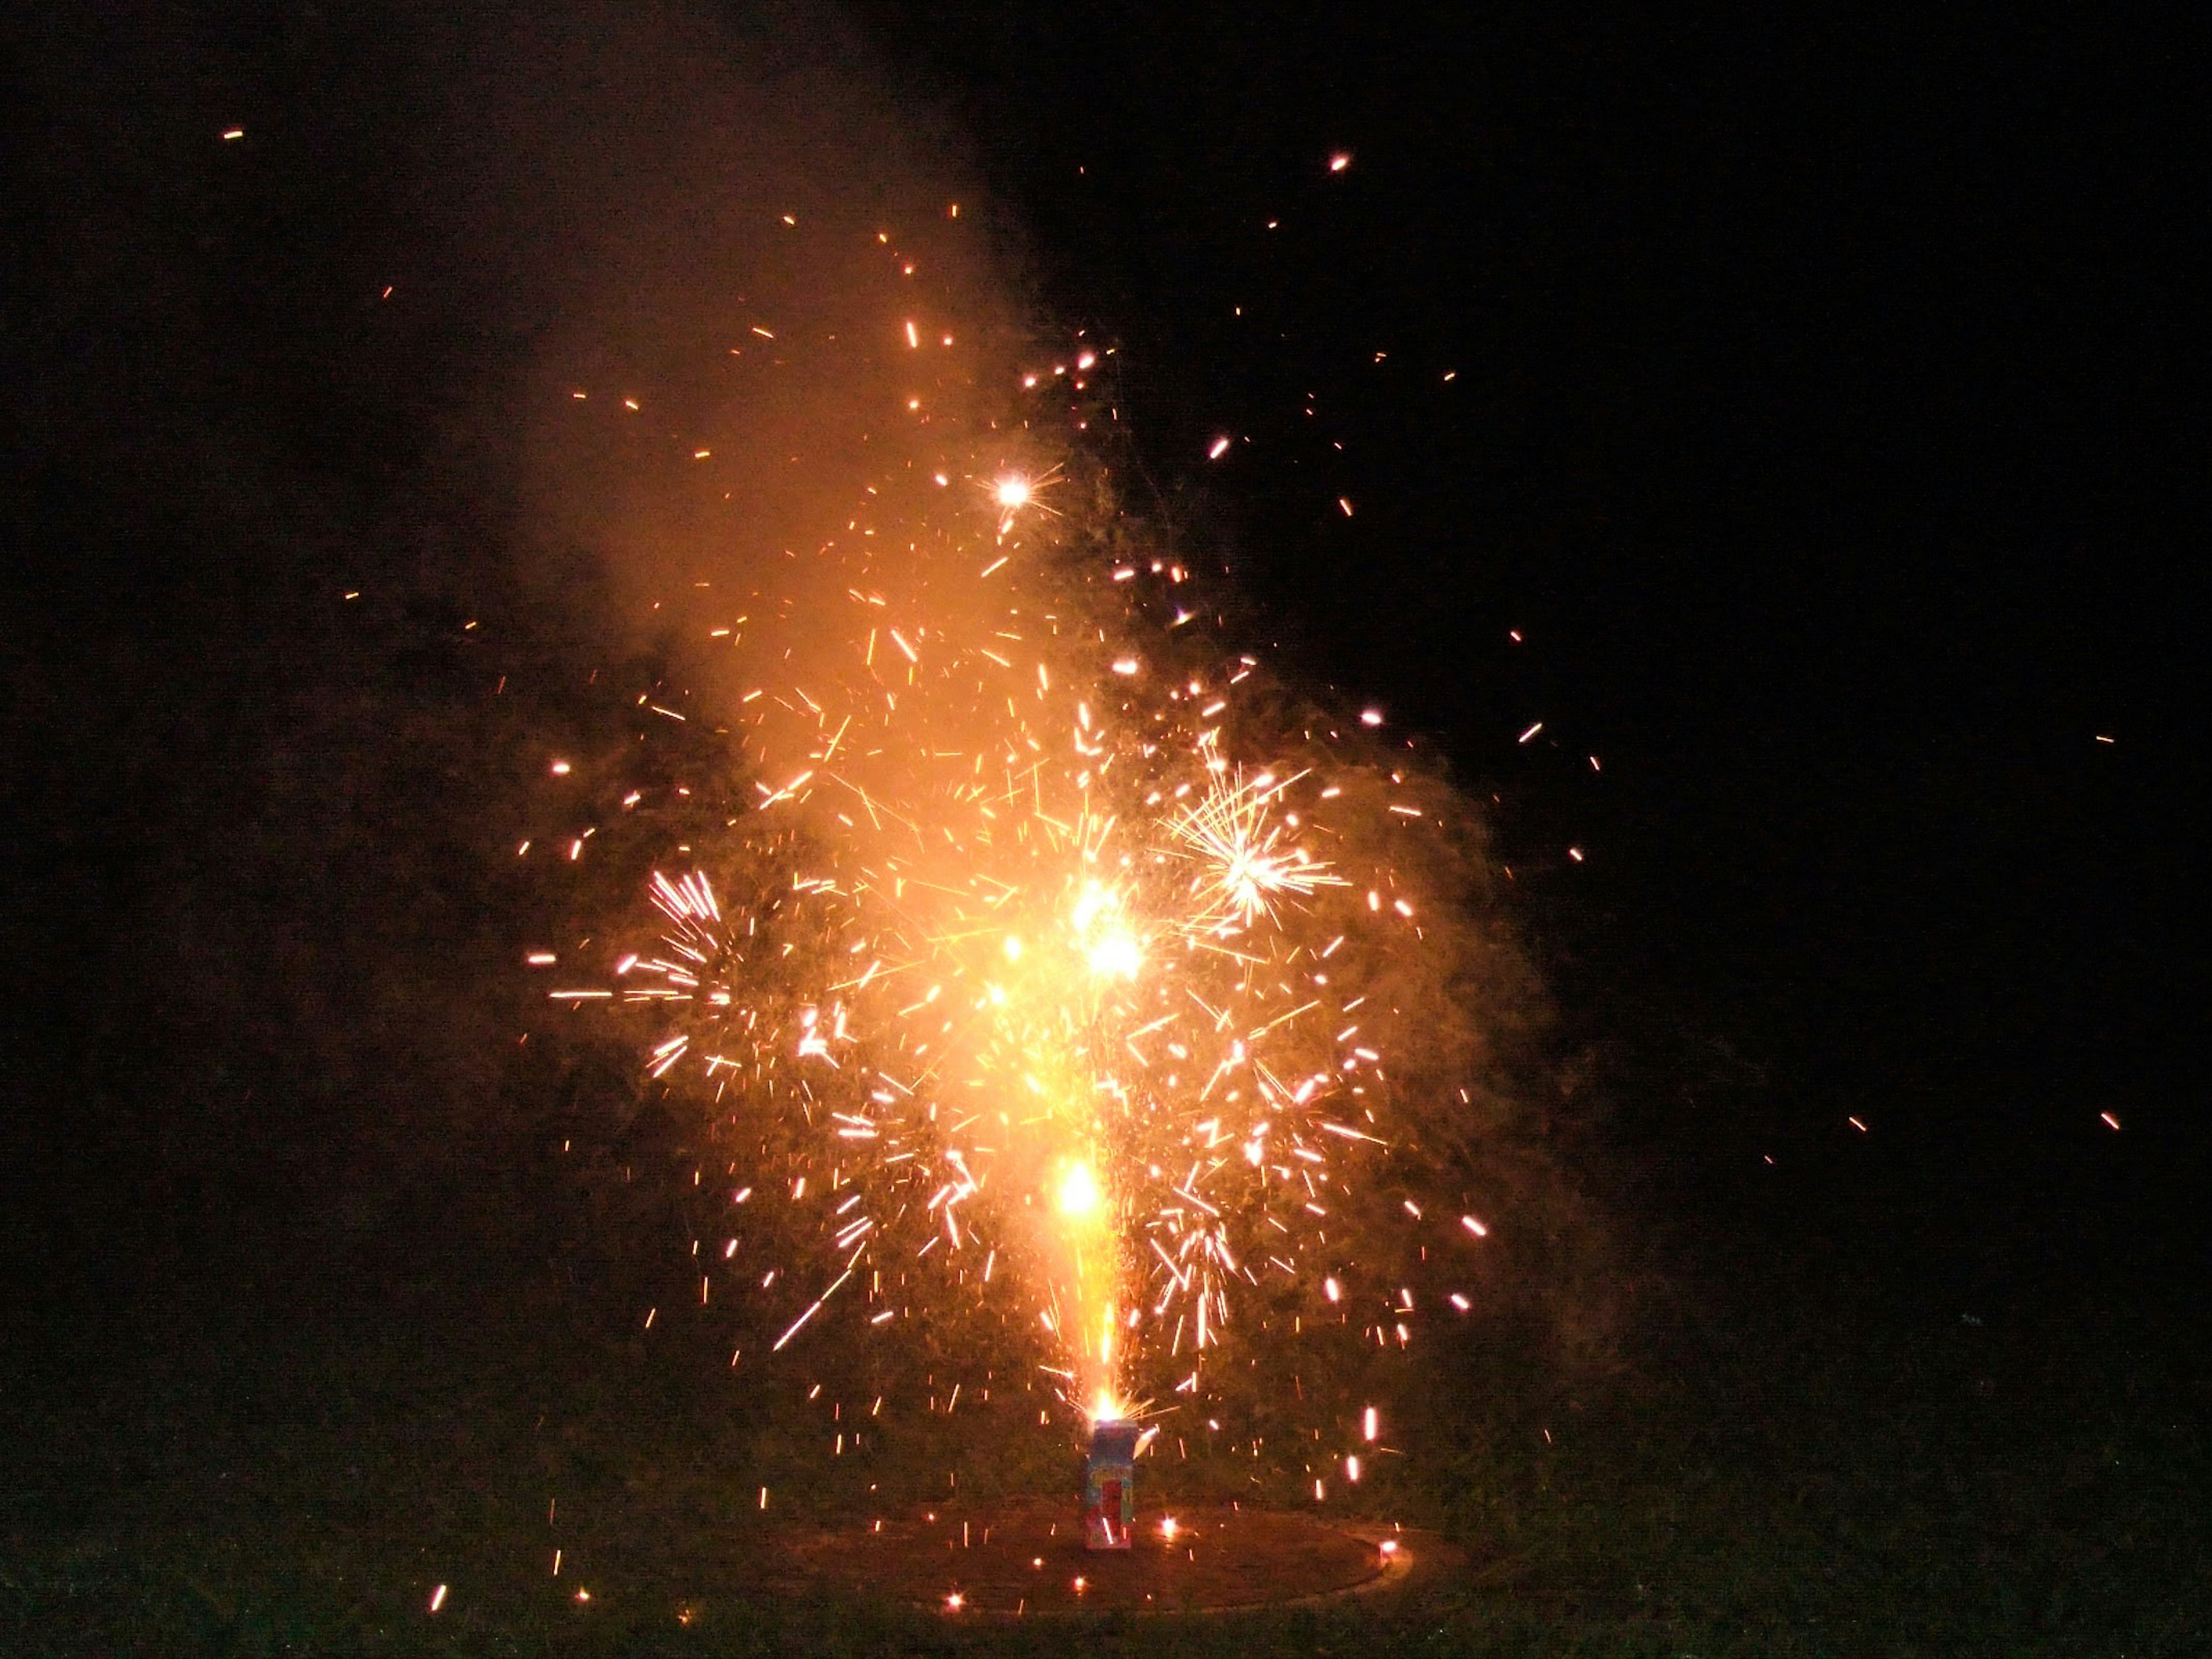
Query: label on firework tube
<point x="1109" y="1487"/>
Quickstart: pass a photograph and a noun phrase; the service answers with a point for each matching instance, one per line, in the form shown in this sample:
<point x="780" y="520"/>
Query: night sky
<point x="1798" y="410"/>
<point x="1825" y="417"/>
<point x="1816" y="400"/>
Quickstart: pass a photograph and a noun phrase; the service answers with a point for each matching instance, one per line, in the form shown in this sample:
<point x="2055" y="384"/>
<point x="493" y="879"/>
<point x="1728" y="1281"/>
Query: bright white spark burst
<point x="1244" y="866"/>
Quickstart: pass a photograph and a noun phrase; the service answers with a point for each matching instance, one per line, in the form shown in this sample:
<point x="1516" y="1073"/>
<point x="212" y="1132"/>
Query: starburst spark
<point x="1244" y="867"/>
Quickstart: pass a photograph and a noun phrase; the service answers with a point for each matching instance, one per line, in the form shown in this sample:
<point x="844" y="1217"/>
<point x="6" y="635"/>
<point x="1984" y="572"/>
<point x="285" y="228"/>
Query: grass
<point x="286" y="1450"/>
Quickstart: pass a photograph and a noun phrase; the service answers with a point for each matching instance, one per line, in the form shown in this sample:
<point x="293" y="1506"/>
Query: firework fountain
<point x="1059" y="939"/>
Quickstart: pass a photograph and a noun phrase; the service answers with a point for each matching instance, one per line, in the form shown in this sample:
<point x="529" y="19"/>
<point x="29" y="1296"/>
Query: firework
<point x="1055" y="941"/>
<point x="1109" y="1483"/>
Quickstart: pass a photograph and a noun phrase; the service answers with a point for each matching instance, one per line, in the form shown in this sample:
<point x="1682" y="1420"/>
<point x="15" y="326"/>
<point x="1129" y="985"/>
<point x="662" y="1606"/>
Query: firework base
<point x="1027" y="1558"/>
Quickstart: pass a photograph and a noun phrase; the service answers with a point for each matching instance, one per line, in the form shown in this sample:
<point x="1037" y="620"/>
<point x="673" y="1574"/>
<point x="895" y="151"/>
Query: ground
<point x="259" y="1455"/>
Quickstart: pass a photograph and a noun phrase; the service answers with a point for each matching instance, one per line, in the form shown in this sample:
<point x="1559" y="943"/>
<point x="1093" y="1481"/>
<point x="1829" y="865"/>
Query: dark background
<point x="1823" y="416"/>
<point x="1827" y="418"/>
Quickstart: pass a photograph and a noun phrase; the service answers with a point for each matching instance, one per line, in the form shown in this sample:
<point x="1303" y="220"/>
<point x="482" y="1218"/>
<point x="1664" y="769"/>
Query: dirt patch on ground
<point x="1027" y="1557"/>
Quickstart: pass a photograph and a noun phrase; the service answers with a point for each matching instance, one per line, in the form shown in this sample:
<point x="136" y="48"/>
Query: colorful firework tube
<point x="1110" y="1485"/>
